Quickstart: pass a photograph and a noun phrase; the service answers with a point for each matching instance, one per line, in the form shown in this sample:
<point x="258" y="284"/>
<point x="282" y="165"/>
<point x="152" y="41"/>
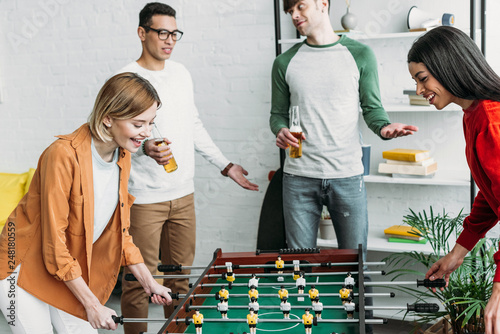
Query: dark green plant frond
<point x="470" y="286"/>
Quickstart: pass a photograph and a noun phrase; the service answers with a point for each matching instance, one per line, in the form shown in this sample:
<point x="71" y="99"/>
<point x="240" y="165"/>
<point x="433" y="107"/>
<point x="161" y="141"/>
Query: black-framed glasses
<point x="164" y="34"/>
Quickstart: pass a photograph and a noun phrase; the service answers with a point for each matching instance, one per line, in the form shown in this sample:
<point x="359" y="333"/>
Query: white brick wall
<point x="56" y="54"/>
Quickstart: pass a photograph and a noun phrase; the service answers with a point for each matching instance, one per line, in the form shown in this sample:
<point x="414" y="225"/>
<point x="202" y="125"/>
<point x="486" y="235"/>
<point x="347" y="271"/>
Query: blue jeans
<point x="345" y="198"/>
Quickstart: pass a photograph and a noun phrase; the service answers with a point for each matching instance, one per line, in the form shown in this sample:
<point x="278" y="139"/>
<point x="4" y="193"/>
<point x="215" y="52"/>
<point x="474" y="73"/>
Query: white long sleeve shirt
<point x="179" y="122"/>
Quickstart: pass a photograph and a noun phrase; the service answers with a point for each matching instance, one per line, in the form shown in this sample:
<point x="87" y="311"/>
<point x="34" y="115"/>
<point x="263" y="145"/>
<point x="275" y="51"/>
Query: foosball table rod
<point x="180" y="267"/>
<point x="426" y="283"/>
<point x="121" y="320"/>
<point x="130" y="277"/>
<point x="240" y="295"/>
<point x="439" y="283"/>
<point x="418" y="307"/>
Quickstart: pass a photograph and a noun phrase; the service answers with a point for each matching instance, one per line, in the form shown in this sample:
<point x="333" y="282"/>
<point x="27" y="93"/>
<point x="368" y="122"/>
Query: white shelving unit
<point x="379" y="243"/>
<point x="442" y="178"/>
<point x="358" y="35"/>
<point x="447" y="188"/>
<point x="405" y="107"/>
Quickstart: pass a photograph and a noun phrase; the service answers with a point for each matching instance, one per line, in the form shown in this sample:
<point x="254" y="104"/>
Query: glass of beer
<point x="296" y="131"/>
<point x="172" y="164"/>
<point x="160" y="141"/>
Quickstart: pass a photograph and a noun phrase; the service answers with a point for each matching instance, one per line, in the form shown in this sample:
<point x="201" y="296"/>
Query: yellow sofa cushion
<point x="12" y="189"/>
<point x="30" y="173"/>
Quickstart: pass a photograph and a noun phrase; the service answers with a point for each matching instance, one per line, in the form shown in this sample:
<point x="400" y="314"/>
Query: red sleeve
<point x="481" y="219"/>
<point x="487" y="149"/>
<point x="486" y="208"/>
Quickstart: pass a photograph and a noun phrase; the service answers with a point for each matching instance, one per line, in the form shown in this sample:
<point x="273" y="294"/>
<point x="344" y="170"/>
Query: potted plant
<point x="470" y="286"/>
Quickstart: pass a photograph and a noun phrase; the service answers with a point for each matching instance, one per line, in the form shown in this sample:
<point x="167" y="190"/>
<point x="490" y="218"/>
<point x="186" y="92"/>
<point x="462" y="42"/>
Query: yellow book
<point x="403" y="231"/>
<point x="404" y="154"/>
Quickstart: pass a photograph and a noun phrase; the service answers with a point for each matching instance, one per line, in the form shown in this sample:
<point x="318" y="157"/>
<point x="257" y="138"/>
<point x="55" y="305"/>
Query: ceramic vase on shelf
<point x="326" y="230"/>
<point x="349" y="20"/>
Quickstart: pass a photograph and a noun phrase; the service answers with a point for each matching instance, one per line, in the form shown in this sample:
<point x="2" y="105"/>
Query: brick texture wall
<point x="56" y="54"/>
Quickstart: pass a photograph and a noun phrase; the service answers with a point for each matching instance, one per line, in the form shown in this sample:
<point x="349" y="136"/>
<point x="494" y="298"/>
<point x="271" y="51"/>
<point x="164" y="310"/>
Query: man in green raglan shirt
<point x="328" y="77"/>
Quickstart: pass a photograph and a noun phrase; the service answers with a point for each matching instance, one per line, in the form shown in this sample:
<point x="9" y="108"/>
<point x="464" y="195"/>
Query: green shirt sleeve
<point x="280" y="91"/>
<point x="374" y="113"/>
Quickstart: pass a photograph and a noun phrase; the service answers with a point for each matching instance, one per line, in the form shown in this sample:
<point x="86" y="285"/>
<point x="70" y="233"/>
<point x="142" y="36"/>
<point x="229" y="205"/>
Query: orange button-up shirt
<point x="52" y="228"/>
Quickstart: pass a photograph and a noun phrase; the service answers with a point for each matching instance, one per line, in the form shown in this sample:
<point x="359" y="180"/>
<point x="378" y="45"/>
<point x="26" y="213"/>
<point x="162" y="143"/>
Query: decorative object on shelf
<point x="326" y="230"/>
<point x="419" y="20"/>
<point x="349" y="21"/>
<point x="470" y="286"/>
<point x="365" y="158"/>
<point x="416" y="100"/>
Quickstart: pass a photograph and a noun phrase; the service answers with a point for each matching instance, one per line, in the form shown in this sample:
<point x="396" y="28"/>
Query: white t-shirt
<point x="106" y="177"/>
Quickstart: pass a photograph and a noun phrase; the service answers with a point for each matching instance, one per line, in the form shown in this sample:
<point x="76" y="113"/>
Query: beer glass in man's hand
<point x="172" y="164"/>
<point x="160" y="141"/>
<point x="296" y="131"/>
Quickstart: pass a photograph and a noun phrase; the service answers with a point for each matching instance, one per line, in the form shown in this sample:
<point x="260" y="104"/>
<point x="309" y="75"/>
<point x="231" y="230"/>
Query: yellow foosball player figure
<point x="252" y="320"/>
<point x="344" y="294"/>
<point x="283" y="293"/>
<point x="349" y="307"/>
<point x="253" y="293"/>
<point x="230" y="277"/>
<point x="307" y="320"/>
<point x="313" y="293"/>
<point x="198" y="321"/>
<point x="223" y="293"/>
<point x="296" y="269"/>
<point x="285" y="307"/>
<point x="280" y="264"/>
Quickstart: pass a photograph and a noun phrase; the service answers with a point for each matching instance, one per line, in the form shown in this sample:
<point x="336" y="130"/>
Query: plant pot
<point x="326" y="230"/>
<point x="440" y="327"/>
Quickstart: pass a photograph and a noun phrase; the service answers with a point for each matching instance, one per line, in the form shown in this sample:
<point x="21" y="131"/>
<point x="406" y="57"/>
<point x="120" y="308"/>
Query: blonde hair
<point x="124" y="96"/>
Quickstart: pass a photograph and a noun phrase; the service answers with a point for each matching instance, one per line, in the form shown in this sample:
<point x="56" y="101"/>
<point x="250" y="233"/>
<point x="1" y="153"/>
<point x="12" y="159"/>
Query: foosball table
<point x="292" y="290"/>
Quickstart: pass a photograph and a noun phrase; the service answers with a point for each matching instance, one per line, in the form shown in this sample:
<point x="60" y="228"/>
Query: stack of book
<point x="404" y="234"/>
<point x="402" y="162"/>
<point x="417" y="100"/>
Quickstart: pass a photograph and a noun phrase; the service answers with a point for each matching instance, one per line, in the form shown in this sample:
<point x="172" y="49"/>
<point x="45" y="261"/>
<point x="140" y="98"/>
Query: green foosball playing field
<point x="328" y="270"/>
<point x="269" y="306"/>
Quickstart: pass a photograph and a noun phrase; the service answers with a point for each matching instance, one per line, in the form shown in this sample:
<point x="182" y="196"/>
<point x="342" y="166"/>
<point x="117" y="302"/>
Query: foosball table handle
<point x="173" y="295"/>
<point x="117" y="320"/>
<point x="423" y="307"/>
<point x="164" y="268"/>
<point x="438" y="283"/>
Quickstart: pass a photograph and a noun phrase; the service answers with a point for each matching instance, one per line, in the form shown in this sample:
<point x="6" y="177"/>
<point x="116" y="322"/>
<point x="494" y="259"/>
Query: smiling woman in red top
<point x="449" y="68"/>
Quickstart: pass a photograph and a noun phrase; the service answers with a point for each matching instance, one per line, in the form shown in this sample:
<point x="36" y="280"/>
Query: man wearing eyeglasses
<point x="163" y="215"/>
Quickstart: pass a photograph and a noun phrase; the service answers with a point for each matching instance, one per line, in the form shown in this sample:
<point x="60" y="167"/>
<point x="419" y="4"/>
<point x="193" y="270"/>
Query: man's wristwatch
<point x="226" y="170"/>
